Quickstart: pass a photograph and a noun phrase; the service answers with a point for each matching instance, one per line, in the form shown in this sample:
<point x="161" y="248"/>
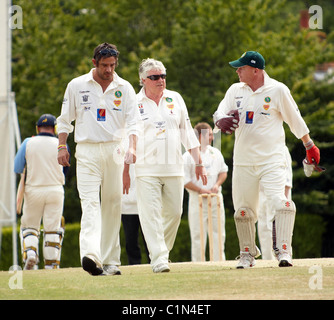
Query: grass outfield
<point x="309" y="279"/>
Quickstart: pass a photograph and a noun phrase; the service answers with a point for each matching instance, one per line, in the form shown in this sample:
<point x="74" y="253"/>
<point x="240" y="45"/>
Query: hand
<point x="229" y="123"/>
<point x="312" y="152"/>
<point x="201" y="173"/>
<point x="130" y="156"/>
<point x="63" y="157"/>
<point x="204" y="191"/>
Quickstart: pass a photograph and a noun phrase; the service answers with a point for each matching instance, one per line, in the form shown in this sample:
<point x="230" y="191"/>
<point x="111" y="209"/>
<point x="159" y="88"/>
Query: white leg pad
<point x="52" y="248"/>
<point x="283" y="227"/>
<point x="29" y="242"/>
<point x="245" y="224"/>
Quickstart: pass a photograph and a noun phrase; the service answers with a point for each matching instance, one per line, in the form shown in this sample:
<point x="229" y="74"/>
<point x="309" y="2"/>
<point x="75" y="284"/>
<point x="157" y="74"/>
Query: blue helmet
<point x="47" y="120"/>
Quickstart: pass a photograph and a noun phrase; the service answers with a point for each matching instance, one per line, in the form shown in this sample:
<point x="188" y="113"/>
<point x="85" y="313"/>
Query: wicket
<point x="209" y="196"/>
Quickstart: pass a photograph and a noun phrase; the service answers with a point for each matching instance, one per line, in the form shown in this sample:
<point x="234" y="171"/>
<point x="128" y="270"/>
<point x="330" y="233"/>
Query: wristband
<point x="308" y="145"/>
<point x="199" y="165"/>
<point x="61" y="146"/>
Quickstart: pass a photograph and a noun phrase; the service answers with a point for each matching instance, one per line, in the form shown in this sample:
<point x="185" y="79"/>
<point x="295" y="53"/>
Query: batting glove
<point x="312" y="152"/>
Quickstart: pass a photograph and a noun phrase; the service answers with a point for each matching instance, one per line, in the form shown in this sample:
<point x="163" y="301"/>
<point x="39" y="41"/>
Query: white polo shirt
<point x="39" y="154"/>
<point x="214" y="164"/>
<point x="165" y="127"/>
<point x="99" y="116"/>
<point x="260" y="138"/>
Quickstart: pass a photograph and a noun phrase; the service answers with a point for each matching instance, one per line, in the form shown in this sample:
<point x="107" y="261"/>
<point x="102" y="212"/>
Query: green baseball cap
<point x="249" y="58"/>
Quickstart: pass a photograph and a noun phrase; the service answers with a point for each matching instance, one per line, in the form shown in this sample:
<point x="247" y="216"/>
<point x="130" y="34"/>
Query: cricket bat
<point x="20" y="192"/>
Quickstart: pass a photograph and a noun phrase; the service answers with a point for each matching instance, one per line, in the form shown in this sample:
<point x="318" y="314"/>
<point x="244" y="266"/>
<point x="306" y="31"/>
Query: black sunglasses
<point x="156" y="77"/>
<point x="108" y="52"/>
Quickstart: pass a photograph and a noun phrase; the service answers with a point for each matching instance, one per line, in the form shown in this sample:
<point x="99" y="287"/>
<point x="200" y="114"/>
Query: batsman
<point x="42" y="186"/>
<point x="255" y="109"/>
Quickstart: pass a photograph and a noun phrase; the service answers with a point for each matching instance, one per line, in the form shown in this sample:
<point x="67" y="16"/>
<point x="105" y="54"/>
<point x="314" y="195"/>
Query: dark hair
<point x="201" y="126"/>
<point x="105" y="50"/>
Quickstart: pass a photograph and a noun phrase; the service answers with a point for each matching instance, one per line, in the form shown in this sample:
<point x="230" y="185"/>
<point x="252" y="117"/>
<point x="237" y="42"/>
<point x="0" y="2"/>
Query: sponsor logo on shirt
<point x="249" y="117"/>
<point x="101" y="114"/>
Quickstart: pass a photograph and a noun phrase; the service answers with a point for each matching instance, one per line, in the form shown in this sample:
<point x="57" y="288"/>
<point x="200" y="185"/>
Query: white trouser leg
<point x="264" y="230"/>
<point x="97" y="167"/>
<point x="160" y="210"/>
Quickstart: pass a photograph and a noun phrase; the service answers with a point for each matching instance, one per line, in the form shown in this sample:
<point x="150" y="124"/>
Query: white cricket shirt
<point x="260" y="138"/>
<point x="99" y="116"/>
<point x="214" y="164"/>
<point x="165" y="127"/>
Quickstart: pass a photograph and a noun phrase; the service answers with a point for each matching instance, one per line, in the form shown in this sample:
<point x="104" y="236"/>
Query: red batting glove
<point x="312" y="152"/>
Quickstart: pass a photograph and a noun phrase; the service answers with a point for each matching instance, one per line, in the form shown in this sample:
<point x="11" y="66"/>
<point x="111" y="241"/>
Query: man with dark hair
<point x="103" y="105"/>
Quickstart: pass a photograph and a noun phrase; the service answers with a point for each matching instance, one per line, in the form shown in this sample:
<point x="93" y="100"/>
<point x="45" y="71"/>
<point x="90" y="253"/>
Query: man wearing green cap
<point x="255" y="109"/>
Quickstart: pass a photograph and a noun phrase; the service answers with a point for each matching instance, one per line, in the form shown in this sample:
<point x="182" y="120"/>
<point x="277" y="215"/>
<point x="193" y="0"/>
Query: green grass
<point x="186" y="281"/>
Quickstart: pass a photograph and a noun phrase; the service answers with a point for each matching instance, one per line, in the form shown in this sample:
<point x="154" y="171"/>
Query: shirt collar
<point x="46" y="134"/>
<point x="117" y="80"/>
<point x="142" y="94"/>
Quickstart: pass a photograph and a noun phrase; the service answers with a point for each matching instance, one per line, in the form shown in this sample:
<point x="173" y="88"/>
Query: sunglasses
<point x="156" y="77"/>
<point x="108" y="52"/>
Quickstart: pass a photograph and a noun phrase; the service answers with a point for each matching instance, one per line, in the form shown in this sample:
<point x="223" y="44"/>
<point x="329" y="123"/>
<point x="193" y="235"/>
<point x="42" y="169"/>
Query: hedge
<point x="307" y="242"/>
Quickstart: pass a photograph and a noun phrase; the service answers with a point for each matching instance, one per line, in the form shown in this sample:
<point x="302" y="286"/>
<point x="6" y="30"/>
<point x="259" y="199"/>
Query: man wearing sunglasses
<point x="103" y="106"/>
<point x="255" y="108"/>
<point x="159" y="166"/>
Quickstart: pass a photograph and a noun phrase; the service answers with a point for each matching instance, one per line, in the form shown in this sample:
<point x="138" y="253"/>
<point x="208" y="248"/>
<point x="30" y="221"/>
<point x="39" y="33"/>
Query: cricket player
<point x="159" y="166"/>
<point x="255" y="108"/>
<point x="43" y="195"/>
<point x="216" y="170"/>
<point x="102" y="105"/>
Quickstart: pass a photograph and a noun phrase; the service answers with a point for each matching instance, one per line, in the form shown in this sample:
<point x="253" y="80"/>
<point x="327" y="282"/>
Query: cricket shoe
<point x="162" y="267"/>
<point x="91" y="267"/>
<point x="111" y="270"/>
<point x="284" y="260"/>
<point x="246" y="260"/>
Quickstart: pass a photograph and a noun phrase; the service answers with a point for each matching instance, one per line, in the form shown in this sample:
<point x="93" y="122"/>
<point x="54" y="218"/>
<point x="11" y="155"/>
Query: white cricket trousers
<point x="246" y="188"/>
<point x="99" y="182"/>
<point x="194" y="226"/>
<point x="160" y="202"/>
<point x="45" y="202"/>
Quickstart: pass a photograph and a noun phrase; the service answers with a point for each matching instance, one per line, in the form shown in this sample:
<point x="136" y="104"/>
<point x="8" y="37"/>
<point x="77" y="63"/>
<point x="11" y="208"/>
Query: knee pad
<point x="283" y="226"/>
<point x="53" y="241"/>
<point x="29" y="241"/>
<point x="245" y="224"/>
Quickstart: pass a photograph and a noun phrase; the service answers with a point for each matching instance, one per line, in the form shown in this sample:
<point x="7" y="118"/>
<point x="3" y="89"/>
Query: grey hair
<point x="147" y="65"/>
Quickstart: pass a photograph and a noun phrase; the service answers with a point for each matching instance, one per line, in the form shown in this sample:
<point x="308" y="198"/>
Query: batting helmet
<point x="46" y="120"/>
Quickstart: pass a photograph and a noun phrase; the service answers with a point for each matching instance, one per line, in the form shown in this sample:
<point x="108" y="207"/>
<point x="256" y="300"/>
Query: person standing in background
<point x="43" y="195"/>
<point x="216" y="169"/>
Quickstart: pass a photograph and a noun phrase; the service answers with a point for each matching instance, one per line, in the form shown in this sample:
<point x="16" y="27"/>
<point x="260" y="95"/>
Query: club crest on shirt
<point x="170" y="107"/>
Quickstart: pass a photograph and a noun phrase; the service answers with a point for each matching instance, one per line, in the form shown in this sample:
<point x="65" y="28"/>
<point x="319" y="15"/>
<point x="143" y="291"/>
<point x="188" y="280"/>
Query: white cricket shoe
<point x="162" y="267"/>
<point x="284" y="259"/>
<point x="31" y="260"/>
<point x="111" y="270"/>
<point x="246" y="260"/>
